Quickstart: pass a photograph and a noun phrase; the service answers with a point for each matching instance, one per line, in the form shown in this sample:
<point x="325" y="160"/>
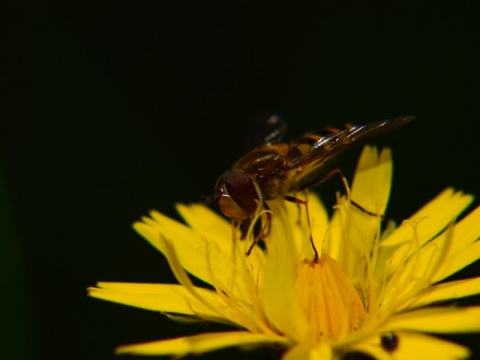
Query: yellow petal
<point x="299" y="352"/>
<point x="449" y="252"/>
<point x="199" y="256"/>
<point x="296" y="216"/>
<point x="406" y="240"/>
<point x="334" y="236"/>
<point x="161" y="297"/>
<point x="318" y="212"/>
<point x="421" y="269"/>
<point x="198" y="344"/>
<point x="465" y="249"/>
<point x="414" y="346"/>
<point x="458" y="261"/>
<point x="279" y="299"/>
<point x="216" y="230"/>
<point x="213" y="227"/>
<point x="319" y="220"/>
<point x="306" y="352"/>
<point x="433" y="218"/>
<point x="372" y="181"/>
<point x="185" y="280"/>
<point x="370" y="190"/>
<point x="208" y="224"/>
<point x="419" y="346"/>
<point x="467" y="230"/>
<point x="373" y="349"/>
<point x="439" y="320"/>
<point x="448" y="291"/>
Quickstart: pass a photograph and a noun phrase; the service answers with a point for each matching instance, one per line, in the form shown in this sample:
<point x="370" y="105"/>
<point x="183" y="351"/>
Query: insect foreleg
<point x="305" y="203"/>
<point x="263" y="231"/>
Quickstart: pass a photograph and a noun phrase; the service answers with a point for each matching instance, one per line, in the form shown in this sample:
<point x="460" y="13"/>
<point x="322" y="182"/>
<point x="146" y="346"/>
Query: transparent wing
<point x="317" y="147"/>
<point x="266" y="129"/>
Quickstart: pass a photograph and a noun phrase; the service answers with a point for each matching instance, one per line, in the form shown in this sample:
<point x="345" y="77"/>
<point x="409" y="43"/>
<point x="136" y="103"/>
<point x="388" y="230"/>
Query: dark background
<point x="113" y="108"/>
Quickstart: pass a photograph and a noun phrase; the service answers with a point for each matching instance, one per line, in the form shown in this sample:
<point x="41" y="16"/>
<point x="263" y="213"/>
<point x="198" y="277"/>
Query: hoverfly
<point x="278" y="170"/>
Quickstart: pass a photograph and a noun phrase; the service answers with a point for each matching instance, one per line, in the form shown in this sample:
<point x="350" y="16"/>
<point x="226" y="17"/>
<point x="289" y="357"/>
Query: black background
<point x="113" y="108"/>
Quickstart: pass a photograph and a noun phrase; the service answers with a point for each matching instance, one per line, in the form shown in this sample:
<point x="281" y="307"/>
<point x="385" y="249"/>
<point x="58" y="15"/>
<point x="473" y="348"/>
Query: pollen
<point x="329" y="299"/>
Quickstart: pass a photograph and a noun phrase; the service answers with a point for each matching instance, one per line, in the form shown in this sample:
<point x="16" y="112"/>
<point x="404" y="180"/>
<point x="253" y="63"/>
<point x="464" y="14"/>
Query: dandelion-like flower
<point x="377" y="291"/>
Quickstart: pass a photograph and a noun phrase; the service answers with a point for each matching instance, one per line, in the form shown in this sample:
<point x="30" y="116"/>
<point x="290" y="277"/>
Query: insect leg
<point x="268" y="221"/>
<point x="305" y="203"/>
<point x="263" y="231"/>
<point x="244" y="226"/>
<point x="332" y="173"/>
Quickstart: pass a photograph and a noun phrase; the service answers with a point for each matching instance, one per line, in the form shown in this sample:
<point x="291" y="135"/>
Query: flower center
<point x="329" y="299"/>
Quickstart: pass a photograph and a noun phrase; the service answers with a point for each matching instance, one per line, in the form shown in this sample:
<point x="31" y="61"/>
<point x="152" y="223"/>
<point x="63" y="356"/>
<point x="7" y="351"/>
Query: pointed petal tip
<point x="198" y="344"/>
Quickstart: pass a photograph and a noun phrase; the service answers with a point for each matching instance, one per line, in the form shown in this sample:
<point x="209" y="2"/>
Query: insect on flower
<point x="277" y="170"/>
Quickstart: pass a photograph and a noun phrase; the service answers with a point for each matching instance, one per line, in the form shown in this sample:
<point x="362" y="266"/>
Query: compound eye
<point x="237" y="195"/>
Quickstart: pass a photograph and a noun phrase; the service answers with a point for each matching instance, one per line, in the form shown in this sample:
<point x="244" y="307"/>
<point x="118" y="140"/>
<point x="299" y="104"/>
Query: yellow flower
<point x="376" y="291"/>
